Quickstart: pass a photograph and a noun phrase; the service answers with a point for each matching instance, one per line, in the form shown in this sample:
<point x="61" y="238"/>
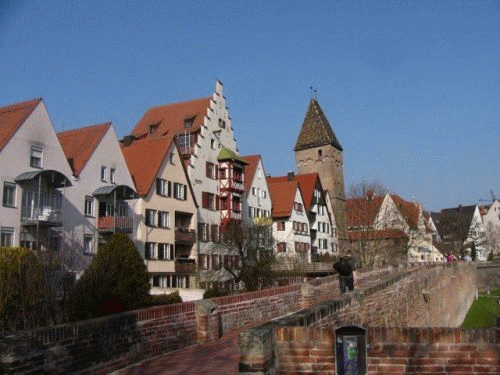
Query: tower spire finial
<point x="313" y="92"/>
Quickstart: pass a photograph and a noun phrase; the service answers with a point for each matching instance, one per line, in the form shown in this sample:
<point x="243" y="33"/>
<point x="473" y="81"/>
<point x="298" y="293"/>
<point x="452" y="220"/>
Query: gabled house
<point x="165" y="212"/>
<point x="34" y="176"/>
<point x="204" y="135"/>
<point x="102" y="186"/>
<point x="292" y="240"/>
<point x="462" y="231"/>
<point x="257" y="200"/>
<point x="490" y="215"/>
<point x="389" y="229"/>
<point x="317" y="205"/>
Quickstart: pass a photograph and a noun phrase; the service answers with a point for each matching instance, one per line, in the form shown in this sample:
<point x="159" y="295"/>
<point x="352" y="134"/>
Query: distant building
<point x="318" y="150"/>
<point x="490" y="215"/>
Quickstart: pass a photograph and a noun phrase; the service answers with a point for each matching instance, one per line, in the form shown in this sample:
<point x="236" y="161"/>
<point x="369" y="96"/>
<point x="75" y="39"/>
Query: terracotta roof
<point x="282" y="197"/>
<point x="409" y="210"/>
<point x="144" y="158"/>
<point x="79" y="144"/>
<point x="361" y="212"/>
<point x="307" y="183"/>
<point x="12" y="117"/>
<point x="170" y="118"/>
<point x="377" y="234"/>
<point x="250" y="169"/>
<point x="316" y="130"/>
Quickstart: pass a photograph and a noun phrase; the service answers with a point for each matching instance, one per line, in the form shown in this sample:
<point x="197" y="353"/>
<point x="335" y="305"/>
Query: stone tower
<point x="318" y="150"/>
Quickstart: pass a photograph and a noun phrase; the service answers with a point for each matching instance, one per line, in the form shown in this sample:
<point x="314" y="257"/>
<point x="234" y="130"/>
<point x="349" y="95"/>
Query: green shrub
<point x="164" y="299"/>
<point x="215" y="292"/>
<point x="116" y="281"/>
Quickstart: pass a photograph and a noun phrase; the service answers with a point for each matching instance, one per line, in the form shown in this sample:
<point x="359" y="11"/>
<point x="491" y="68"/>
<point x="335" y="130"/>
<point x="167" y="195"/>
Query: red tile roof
<point x="377" y="234"/>
<point x="170" y="118"/>
<point x="361" y="212"/>
<point x="307" y="183"/>
<point x="144" y="158"/>
<point x="409" y="210"/>
<point x="12" y="117"/>
<point x="79" y="144"/>
<point x="282" y="197"/>
<point x="250" y="169"/>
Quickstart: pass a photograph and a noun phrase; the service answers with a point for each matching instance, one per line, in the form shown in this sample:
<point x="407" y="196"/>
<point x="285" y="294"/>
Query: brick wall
<point x="102" y="345"/>
<point x="427" y="296"/>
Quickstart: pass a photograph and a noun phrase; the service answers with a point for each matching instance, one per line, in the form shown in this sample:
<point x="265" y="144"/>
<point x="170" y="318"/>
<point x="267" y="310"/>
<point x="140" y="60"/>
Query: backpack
<point x="343" y="267"/>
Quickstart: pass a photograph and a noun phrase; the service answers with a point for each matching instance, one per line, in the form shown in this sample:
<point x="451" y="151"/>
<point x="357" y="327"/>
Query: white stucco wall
<point x="262" y="199"/>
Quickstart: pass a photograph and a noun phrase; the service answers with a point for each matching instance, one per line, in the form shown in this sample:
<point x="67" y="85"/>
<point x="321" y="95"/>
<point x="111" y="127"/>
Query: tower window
<point x="320" y="152"/>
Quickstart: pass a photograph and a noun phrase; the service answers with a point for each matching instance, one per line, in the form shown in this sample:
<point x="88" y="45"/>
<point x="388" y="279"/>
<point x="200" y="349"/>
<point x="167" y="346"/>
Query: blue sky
<point x="411" y="88"/>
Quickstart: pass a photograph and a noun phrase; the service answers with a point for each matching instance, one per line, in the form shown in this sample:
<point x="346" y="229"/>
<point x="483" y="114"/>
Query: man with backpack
<point x="345" y="267"/>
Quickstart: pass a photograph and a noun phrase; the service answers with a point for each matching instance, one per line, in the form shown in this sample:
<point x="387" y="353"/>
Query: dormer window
<point x="188" y="122"/>
<point x="153" y="128"/>
<point x="36" y="157"/>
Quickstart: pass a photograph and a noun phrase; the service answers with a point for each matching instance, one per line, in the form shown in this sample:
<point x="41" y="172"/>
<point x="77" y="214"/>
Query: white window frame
<point x="36" y="154"/>
<point x="112" y="175"/>
<point x="104" y="174"/>
<point x="9" y="194"/>
<point x="88" y="208"/>
<point x="88" y="243"/>
<point x="6" y="237"/>
<point x="151" y="217"/>
<point x="163" y="219"/>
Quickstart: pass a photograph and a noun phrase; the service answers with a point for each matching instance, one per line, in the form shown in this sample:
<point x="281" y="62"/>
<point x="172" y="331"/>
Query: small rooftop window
<point x="153" y="128"/>
<point x="188" y="122"/>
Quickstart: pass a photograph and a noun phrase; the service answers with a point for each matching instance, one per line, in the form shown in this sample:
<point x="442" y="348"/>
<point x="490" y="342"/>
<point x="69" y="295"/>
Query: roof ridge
<point x="108" y="124"/>
<point x="181" y="102"/>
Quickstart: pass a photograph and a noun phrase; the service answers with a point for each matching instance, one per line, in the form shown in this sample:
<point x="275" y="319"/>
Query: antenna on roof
<point x="313" y="92"/>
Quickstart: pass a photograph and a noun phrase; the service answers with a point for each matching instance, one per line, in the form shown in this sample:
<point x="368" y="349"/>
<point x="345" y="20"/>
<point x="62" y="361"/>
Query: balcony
<point x="45" y="216"/>
<point x="185" y="265"/>
<point x="185" y="236"/>
<point x="114" y="223"/>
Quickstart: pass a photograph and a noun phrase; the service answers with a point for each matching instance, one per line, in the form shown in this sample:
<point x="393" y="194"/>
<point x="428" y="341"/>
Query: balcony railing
<point x="46" y="215"/>
<point x="185" y="235"/>
<point x="119" y="223"/>
<point x="185" y="265"/>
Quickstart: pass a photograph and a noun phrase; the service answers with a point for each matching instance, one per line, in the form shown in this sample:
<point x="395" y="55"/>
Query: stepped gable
<point x="79" y="144"/>
<point x="316" y="130"/>
<point x="409" y="210"/>
<point x="282" y="197"/>
<point x="144" y="159"/>
<point x="170" y="118"/>
<point x="362" y="212"/>
<point x="250" y="169"/>
<point x="307" y="183"/>
<point x="12" y="117"/>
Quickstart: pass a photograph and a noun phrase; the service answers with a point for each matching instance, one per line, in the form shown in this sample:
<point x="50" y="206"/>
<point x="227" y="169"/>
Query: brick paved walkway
<point x="220" y="357"/>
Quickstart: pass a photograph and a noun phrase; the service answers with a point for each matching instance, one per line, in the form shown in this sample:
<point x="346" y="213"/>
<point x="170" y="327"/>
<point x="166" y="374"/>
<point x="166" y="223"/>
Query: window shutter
<point x="216" y="171"/>
<point x="169" y="189"/>
<point x="185" y="192"/>
<point x="158" y="186"/>
<point x="204" y="200"/>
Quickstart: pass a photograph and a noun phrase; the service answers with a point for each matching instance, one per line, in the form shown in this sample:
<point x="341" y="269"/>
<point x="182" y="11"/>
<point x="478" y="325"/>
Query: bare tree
<point x="367" y="188"/>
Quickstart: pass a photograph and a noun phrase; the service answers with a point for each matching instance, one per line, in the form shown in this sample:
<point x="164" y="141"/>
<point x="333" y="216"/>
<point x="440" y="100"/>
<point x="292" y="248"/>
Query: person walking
<point x="345" y="267"/>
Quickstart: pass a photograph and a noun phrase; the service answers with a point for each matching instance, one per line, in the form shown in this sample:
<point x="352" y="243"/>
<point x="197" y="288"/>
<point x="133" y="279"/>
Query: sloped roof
<point x="79" y="144"/>
<point x="227" y="154"/>
<point x="307" y="183"/>
<point x="12" y="117"/>
<point x="170" y="118"/>
<point x="144" y="158"/>
<point x="316" y="130"/>
<point x="361" y="212"/>
<point x="250" y="169"/>
<point x="377" y="234"/>
<point x="454" y="222"/>
<point x="282" y="197"/>
<point x="410" y="211"/>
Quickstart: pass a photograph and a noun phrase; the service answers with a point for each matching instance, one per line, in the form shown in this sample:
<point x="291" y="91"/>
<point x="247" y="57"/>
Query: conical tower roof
<point x="316" y="130"/>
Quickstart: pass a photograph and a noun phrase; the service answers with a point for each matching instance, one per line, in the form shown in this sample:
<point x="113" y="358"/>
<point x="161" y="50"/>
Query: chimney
<point x="290" y="176"/>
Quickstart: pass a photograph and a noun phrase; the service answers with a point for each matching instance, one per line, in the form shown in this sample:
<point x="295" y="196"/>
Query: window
<point x="9" y="194"/>
<point x="203" y="232"/>
<point x="153" y="128"/>
<point x="150" y="251"/>
<point x="250" y="212"/>
<point x="112" y="175"/>
<point x="163" y="187"/>
<point x="163" y="219"/>
<point x="298" y="206"/>
<point x="281" y="247"/>
<point x="180" y="191"/>
<point x="171" y="158"/>
<point x="212" y="144"/>
<point x="166" y="251"/>
<point x="203" y="261"/>
<point x="188" y="122"/>
<point x="211" y="170"/>
<point x="89" y="206"/>
<point x="208" y="201"/>
<point x="255" y="191"/>
<point x="88" y="244"/>
<point x="280" y="226"/>
<point x="104" y="174"/>
<point x="222" y="123"/>
<point x="222" y="173"/>
<point x="215" y="261"/>
<point x="7" y="237"/>
<point x="151" y="218"/>
<point x="214" y="233"/>
<point x="262" y="193"/>
<point x="36" y="157"/>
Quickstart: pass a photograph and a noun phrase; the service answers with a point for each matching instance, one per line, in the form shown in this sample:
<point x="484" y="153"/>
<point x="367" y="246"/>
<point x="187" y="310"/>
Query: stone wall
<point x="429" y="296"/>
<point x="488" y="275"/>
